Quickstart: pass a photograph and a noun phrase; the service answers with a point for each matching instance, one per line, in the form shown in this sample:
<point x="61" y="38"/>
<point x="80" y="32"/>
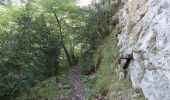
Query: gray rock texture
<point x="145" y="34"/>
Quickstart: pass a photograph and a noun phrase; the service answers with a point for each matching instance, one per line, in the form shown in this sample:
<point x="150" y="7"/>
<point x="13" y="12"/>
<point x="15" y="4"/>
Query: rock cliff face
<point x="145" y="36"/>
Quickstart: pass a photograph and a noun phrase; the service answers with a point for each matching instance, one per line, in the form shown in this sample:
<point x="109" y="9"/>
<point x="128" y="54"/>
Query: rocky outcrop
<point x="145" y="35"/>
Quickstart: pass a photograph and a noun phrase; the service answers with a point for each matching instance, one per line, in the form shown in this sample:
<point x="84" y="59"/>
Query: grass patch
<point x="105" y="72"/>
<point x="120" y="89"/>
<point x="99" y="83"/>
<point x="103" y="79"/>
<point x="106" y="80"/>
<point x="48" y="89"/>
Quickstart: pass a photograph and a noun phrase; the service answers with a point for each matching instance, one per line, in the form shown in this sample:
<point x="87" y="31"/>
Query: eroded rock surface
<point x="145" y="34"/>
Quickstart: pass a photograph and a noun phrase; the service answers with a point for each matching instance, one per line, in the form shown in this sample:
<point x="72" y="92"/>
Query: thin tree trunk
<point x="72" y="55"/>
<point x="67" y="54"/>
<point x="61" y="37"/>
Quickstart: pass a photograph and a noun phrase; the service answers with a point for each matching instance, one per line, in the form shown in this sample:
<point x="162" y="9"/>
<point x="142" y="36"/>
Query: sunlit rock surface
<point x="145" y="34"/>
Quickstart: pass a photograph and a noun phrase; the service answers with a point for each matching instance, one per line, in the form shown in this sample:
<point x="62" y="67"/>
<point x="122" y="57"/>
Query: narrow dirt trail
<point x="73" y="74"/>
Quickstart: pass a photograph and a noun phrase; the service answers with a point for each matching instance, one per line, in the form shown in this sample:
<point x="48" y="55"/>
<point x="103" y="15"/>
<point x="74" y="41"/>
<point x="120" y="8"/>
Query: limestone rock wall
<point x="145" y="35"/>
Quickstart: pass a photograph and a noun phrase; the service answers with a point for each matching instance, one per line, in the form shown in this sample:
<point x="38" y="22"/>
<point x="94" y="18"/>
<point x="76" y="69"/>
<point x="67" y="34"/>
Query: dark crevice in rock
<point x="126" y="64"/>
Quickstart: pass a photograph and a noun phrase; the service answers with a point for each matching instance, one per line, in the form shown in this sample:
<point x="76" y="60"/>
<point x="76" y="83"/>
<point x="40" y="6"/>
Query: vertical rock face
<point x="145" y="34"/>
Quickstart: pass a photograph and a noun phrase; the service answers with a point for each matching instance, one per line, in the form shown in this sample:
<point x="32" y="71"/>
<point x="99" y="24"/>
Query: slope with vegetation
<point x="37" y="42"/>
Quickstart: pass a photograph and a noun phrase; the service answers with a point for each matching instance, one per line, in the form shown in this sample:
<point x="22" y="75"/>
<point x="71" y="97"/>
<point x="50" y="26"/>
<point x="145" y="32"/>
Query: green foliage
<point x="14" y="84"/>
<point x="89" y="82"/>
<point x="85" y="63"/>
<point x="100" y="50"/>
<point x="105" y="71"/>
<point x="119" y="88"/>
<point x="29" y="51"/>
<point x="34" y="39"/>
<point x="31" y="55"/>
<point x="106" y="81"/>
<point x="103" y="79"/>
<point x="99" y="83"/>
<point x="96" y="29"/>
<point x="54" y="87"/>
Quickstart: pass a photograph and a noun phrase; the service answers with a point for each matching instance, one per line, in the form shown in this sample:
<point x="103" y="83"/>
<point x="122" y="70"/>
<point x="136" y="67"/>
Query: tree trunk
<point x="61" y="37"/>
<point x="67" y="54"/>
<point x="74" y="60"/>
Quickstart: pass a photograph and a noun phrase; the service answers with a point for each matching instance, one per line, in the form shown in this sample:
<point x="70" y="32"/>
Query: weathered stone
<point x="146" y="35"/>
